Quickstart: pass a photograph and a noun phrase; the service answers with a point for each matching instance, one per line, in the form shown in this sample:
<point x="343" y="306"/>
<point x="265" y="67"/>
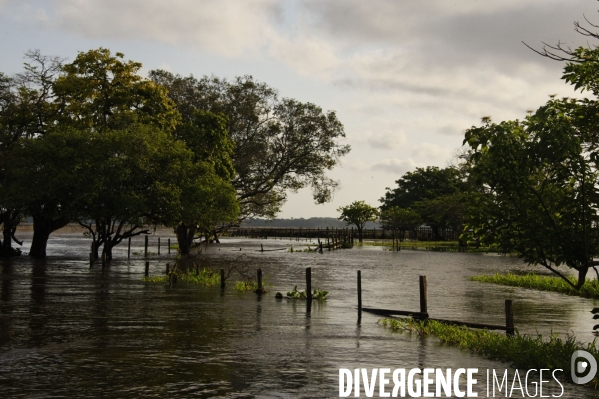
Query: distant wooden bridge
<point x="423" y="233"/>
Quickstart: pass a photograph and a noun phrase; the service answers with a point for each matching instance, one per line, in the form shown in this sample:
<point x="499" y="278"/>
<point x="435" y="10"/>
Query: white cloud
<point x="386" y="140"/>
<point x="395" y="166"/>
<point x="225" y="27"/>
<point x="432" y="153"/>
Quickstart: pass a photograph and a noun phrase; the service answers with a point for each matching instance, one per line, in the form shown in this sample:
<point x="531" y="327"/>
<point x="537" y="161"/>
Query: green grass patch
<point x="243" y="286"/>
<point x="204" y="277"/>
<point x="522" y="351"/>
<point x="590" y="289"/>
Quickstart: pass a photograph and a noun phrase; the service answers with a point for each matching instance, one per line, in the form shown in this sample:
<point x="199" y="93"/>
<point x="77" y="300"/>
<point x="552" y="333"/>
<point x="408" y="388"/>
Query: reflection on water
<point x="68" y="330"/>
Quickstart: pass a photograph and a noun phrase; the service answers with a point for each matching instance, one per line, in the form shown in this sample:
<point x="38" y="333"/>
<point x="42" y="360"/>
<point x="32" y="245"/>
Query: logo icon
<point x="579" y="367"/>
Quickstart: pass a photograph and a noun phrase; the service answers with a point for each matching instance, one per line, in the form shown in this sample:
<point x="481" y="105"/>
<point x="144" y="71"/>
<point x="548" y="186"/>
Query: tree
<point x="358" y="213"/>
<point x="49" y="176"/>
<point x="96" y="93"/>
<point x="280" y="144"/>
<point x="540" y="196"/>
<point x="25" y="111"/>
<point x="140" y="173"/>
<point x="415" y="189"/>
<point x="399" y="220"/>
<point x="210" y="199"/>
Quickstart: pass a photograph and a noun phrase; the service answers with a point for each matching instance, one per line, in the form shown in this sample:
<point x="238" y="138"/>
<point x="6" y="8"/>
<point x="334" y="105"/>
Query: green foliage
<point x="539" y="196"/>
<point x="590" y="289"/>
<point x="243" y="286"/>
<point x="358" y="213"/>
<point x="316" y="294"/>
<point x="280" y="144"/>
<point x="436" y="195"/>
<point x="423" y="184"/>
<point x="522" y="351"/>
<point x="400" y="219"/>
<point x="102" y="91"/>
<point x="204" y="277"/>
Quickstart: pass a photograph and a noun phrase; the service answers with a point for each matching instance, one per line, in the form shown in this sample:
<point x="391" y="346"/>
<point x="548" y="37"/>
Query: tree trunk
<point x="185" y="236"/>
<point x="9" y="220"/>
<point x="107" y="249"/>
<point x="582" y="275"/>
<point x="42" y="228"/>
<point x="359" y="233"/>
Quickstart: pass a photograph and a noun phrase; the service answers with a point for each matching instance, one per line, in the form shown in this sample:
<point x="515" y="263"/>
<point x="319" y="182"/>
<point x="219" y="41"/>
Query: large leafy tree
<point x="539" y="179"/>
<point x="358" y="213"/>
<point x="399" y="220"/>
<point x="26" y="111"/>
<point x="209" y="200"/>
<point x="96" y="93"/>
<point x="423" y="191"/>
<point x="141" y="171"/>
<point x="281" y="145"/>
<point x="539" y="176"/>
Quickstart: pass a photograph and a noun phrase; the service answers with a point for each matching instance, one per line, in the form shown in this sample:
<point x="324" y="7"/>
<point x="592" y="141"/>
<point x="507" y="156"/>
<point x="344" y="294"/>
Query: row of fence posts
<point x="146" y="245"/>
<point x="423" y="290"/>
<point x="297" y="234"/>
<point x="423" y="314"/>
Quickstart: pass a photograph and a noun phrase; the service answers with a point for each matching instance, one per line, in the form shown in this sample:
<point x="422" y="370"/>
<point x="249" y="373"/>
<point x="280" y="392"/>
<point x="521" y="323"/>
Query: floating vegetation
<point x="590" y="289"/>
<point x="203" y="277"/>
<point x="522" y="351"/>
<point x="316" y="294"/>
<point x="243" y="286"/>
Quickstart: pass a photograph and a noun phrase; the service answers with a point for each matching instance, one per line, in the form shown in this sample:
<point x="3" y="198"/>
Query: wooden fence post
<point x="169" y="246"/>
<point x="222" y="278"/>
<point x="509" y="318"/>
<point x="359" y="292"/>
<point x="423" y="295"/>
<point x="309" y="283"/>
<point x="146" y="247"/>
<point x="259" y="278"/>
<point x="91" y="259"/>
<point x="261" y="248"/>
<point x="147" y="268"/>
<point x="129" y="248"/>
<point x="167" y="268"/>
<point x="158" y="245"/>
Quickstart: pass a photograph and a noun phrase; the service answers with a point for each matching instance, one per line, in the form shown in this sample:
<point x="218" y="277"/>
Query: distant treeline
<point x="301" y="222"/>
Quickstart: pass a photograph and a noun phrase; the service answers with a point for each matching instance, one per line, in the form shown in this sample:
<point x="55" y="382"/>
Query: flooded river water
<point x="67" y="330"/>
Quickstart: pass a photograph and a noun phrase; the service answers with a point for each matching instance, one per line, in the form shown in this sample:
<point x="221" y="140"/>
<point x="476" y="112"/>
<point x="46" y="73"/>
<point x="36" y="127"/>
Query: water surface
<point x="70" y="331"/>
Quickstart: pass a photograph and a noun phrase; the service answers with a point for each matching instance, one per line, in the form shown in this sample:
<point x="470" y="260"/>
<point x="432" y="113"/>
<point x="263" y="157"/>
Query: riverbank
<point x="590" y="289"/>
<point x="522" y="351"/>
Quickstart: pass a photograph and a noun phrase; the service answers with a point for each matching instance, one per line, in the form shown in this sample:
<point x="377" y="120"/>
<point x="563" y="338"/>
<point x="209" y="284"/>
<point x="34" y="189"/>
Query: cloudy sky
<point x="406" y="78"/>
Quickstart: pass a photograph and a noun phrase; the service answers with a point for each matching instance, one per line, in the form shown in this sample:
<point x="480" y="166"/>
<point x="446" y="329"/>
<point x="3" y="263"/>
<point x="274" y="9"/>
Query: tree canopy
<point x="92" y="141"/>
<point x="281" y="145"/>
<point x="358" y="213"/>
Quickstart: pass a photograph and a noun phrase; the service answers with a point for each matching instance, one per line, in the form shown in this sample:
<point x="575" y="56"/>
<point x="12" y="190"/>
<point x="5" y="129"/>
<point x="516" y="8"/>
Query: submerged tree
<point x="540" y="196"/>
<point x="423" y="190"/>
<point x="399" y="220"/>
<point x="280" y="144"/>
<point x="26" y="111"/>
<point x="358" y="213"/>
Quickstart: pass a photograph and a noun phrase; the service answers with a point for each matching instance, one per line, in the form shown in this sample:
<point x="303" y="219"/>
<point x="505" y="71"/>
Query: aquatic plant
<point x="522" y="351"/>
<point x="202" y="277"/>
<point x="590" y="289"/>
<point x="316" y="294"/>
<point x="249" y="285"/>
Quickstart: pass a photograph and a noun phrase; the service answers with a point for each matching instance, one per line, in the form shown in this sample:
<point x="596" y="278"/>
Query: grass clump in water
<point x="203" y="277"/>
<point x="522" y="351"/>
<point x="243" y="286"/>
<point x="590" y="289"/>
